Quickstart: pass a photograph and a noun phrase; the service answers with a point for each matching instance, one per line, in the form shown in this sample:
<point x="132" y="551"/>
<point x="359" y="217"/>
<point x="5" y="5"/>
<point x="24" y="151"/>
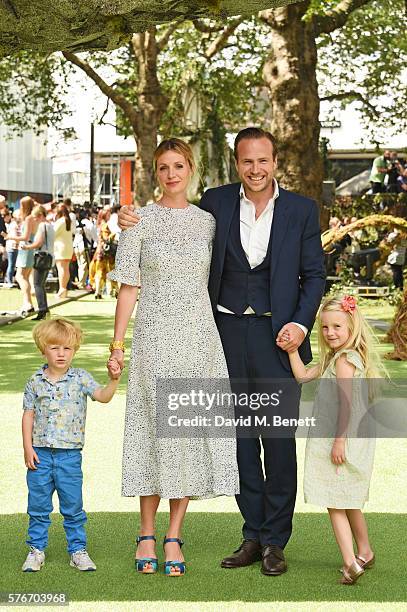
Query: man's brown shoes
<point x="248" y="552"/>
<point x="272" y="558"/>
<point x="273" y="561"/>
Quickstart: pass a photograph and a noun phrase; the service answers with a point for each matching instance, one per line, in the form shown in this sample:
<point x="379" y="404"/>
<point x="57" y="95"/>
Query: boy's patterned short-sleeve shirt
<point x="59" y="407"/>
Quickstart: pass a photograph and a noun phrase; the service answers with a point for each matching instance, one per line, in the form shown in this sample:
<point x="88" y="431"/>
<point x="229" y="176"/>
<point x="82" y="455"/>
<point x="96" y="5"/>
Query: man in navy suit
<point x="266" y="282"/>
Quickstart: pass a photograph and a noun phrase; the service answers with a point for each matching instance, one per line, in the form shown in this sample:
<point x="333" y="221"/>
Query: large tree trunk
<point x="290" y="75"/>
<point x="144" y="181"/>
<point x="151" y="103"/>
<point x="398" y="332"/>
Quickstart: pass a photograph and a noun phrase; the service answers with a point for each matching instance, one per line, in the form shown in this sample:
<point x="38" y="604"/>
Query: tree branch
<point x="104" y="87"/>
<point x="267" y="17"/>
<point x="205" y="28"/>
<point x="101" y="120"/>
<point x="334" y="235"/>
<point x="11" y="8"/>
<point x="219" y="43"/>
<point x="278" y="18"/>
<point x="351" y="95"/>
<point x="336" y="17"/>
<point x="163" y="41"/>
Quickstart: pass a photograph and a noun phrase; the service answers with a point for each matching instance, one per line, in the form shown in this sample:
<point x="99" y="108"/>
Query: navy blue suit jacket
<point x="297" y="273"/>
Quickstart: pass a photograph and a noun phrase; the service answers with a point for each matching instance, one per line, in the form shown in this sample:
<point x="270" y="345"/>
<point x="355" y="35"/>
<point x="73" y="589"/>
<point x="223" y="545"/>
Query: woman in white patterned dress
<point x="175" y="336"/>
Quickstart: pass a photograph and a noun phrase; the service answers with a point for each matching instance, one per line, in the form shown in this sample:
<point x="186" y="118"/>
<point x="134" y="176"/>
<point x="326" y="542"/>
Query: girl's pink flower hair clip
<point x="348" y="303"/>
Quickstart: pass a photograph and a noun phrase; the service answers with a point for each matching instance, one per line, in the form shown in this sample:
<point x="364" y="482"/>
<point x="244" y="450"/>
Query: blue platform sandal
<point x="148" y="565"/>
<point x="174" y="568"/>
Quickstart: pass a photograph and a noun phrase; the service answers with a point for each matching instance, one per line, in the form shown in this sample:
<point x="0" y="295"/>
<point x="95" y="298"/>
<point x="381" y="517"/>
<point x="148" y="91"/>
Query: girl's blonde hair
<point x="57" y="331"/>
<point x="39" y="211"/>
<point x="26" y="206"/>
<point x="362" y="339"/>
<point x="179" y="146"/>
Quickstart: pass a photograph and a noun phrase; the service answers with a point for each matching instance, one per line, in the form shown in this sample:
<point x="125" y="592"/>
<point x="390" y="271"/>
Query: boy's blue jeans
<point x="59" y="470"/>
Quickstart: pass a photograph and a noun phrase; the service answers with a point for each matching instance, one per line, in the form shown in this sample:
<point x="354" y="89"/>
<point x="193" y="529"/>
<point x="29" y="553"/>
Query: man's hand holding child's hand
<point x="114" y="369"/>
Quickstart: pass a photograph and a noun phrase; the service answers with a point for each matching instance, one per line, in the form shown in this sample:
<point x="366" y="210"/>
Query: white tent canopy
<point x="355" y="185"/>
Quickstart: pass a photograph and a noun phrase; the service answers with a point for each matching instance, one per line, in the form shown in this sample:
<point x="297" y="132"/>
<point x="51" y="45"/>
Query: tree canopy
<point x="102" y="24"/>
<point x="207" y="77"/>
<point x="362" y="61"/>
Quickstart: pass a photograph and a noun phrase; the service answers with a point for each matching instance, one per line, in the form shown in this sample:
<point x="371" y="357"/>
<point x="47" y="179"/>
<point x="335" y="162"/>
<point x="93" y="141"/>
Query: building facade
<point x="25" y="168"/>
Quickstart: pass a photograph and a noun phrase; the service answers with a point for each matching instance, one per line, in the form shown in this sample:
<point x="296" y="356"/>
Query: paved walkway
<point x="382" y="325"/>
<point x="8" y="317"/>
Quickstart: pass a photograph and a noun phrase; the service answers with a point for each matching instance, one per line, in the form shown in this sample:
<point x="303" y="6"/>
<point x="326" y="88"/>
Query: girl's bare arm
<point x="301" y="373"/>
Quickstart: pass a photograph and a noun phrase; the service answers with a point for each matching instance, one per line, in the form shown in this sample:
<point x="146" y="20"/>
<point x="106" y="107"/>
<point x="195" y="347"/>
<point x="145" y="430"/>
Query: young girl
<point x="338" y="467"/>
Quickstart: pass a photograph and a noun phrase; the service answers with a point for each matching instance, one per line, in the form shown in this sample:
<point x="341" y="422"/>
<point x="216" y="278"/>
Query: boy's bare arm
<point x="105" y="394"/>
<point x="29" y="453"/>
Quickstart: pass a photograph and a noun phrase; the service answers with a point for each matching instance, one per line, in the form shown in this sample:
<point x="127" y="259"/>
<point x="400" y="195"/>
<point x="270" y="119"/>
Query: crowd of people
<point x="388" y="173"/>
<point x="80" y="241"/>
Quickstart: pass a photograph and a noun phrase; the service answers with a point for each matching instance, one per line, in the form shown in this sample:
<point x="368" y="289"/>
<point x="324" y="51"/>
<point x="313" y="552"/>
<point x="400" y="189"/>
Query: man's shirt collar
<point x="275" y="195"/>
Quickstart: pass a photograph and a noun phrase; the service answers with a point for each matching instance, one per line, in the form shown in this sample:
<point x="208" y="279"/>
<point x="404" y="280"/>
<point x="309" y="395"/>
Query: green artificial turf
<point x="96" y="320"/>
<point x="11" y="299"/>
<point x="312" y="555"/>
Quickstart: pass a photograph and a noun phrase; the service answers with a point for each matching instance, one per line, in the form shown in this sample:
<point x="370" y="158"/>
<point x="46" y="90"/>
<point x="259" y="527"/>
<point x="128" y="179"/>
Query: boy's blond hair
<point x="57" y="331"/>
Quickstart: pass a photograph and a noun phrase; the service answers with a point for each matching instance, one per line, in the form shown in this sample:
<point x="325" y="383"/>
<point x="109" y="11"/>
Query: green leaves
<point x="33" y="92"/>
<point x="363" y="60"/>
<point x="194" y="84"/>
<point x="367" y="56"/>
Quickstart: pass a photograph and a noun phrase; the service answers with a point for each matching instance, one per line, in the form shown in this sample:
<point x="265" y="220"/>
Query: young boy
<point x="53" y="437"/>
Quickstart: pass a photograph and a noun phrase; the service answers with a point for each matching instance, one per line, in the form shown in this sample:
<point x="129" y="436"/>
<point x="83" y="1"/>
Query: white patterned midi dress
<point x="175" y="336"/>
<point x="345" y="486"/>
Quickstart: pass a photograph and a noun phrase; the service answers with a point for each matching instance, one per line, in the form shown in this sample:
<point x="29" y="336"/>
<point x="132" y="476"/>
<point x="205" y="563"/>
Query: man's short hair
<point x="251" y="133"/>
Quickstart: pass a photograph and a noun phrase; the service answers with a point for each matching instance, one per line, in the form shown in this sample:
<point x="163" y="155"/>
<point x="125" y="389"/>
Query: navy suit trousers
<point x="267" y="489"/>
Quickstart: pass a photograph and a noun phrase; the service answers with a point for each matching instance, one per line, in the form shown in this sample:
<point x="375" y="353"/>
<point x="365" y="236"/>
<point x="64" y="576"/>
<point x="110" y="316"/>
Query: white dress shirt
<point x="255" y="233"/>
<point x="255" y="236"/>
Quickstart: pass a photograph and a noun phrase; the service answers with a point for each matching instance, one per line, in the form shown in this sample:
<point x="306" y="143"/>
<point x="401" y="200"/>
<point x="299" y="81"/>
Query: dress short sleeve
<point x="127" y="263"/>
<point x="353" y="357"/>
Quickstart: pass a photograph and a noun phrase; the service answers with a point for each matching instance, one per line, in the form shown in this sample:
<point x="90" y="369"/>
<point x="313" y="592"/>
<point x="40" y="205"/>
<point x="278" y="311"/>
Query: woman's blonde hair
<point x="362" y="339"/>
<point x="57" y="331"/>
<point x="103" y="215"/>
<point x="26" y="206"/>
<point x="39" y="211"/>
<point x="179" y="146"/>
